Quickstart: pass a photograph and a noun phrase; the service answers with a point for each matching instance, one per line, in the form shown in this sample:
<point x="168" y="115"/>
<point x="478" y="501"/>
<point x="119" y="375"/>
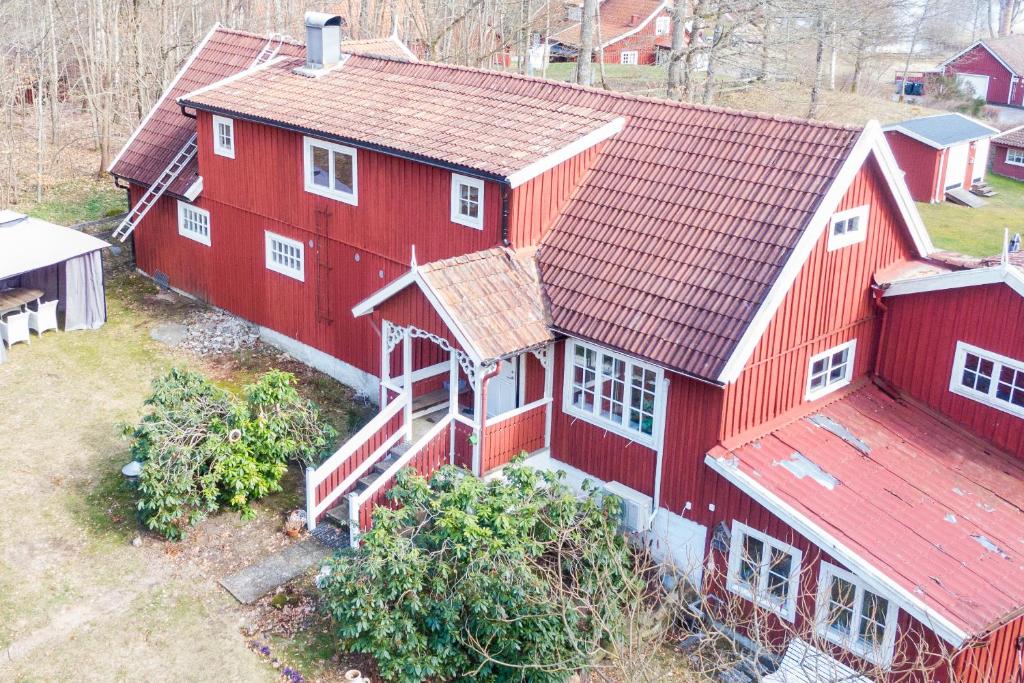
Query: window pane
<point x="753" y="549"/>
<point x="613" y="389"/>
<point x="584" y="378"/>
<point x="321" y="166"/>
<point x="872" y="621"/>
<point x="343" y="172"/>
<point x="852" y="224"/>
<point x="840" y="228"/>
<point x="643" y="384"/>
<point x="778" y="573"/>
<point x="840" y="608"/>
<point x="469" y="201"/>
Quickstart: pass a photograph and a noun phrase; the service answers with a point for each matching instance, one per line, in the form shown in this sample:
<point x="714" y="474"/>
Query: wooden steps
<point x="339" y="514"/>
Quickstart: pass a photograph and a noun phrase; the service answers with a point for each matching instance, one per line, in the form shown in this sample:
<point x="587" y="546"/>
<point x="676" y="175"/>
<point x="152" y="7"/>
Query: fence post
<point x="353" y="519"/>
<point x="310" y="499"/>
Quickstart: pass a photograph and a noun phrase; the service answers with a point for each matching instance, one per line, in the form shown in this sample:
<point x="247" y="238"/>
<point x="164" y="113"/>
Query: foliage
<point x="203" y="448"/>
<point x="514" y="578"/>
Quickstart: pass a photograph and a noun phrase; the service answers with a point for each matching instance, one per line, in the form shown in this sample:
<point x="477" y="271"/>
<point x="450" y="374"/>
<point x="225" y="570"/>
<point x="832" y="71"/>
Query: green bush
<point x="511" y="579"/>
<point x="201" y="448"/>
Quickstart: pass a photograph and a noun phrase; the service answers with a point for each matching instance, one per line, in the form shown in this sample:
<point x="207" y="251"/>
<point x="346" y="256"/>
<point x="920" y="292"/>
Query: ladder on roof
<point x="184" y="156"/>
<point x="156" y="190"/>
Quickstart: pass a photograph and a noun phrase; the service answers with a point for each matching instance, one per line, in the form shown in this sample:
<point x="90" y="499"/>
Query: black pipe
<point x="505" y="191"/>
<point x="185" y="113"/>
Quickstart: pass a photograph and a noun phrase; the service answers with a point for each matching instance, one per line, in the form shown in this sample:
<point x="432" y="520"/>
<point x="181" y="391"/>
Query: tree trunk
<point x="766" y="26"/>
<point x="709" y="81"/>
<point x="675" y="60"/>
<point x="584" y="71"/>
<point x="819" y="67"/>
<point x="858" y="63"/>
<point x="691" y="50"/>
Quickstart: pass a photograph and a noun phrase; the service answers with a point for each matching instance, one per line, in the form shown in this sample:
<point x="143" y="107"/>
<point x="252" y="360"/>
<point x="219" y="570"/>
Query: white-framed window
<point x="854" y="617"/>
<point x="224" y="137"/>
<point x="285" y="256"/>
<point x="629" y="57"/>
<point x="331" y="170"/>
<point x="1015" y="157"/>
<point x="612" y="391"/>
<point x="468" y="201"/>
<point x="661" y="26"/>
<point x="830" y="370"/>
<point x="764" y="570"/>
<point x="848" y="227"/>
<point x="193" y="223"/>
<point x="988" y="378"/>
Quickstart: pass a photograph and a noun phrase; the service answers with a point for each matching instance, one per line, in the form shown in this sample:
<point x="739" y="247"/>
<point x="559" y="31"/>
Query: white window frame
<point x="846" y="239"/>
<point x="457" y="217"/>
<point x="184" y="208"/>
<point x="829" y="387"/>
<point x="786" y="608"/>
<point x="881" y="656"/>
<point x="218" y="148"/>
<point x="307" y="170"/>
<point x="296" y="273"/>
<point x="635" y="57"/>
<point x="662" y="26"/>
<point x="988" y="398"/>
<point x="1014" y="156"/>
<point x="594" y="417"/>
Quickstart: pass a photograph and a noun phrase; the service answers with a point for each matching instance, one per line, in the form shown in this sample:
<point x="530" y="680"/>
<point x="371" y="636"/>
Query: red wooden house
<point x="627" y="31"/>
<point x="1008" y="153"/>
<point x="703" y="311"/>
<point x="993" y="69"/>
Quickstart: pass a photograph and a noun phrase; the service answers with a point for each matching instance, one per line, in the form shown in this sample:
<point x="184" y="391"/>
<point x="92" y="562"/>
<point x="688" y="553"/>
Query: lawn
<point x="74" y="201"/>
<point x="977" y="232"/>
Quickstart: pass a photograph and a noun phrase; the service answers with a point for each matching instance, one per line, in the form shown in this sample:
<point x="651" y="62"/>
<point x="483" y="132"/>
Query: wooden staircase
<point x="339" y="515"/>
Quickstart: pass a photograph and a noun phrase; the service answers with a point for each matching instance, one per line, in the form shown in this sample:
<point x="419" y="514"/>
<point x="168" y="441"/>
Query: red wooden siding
<point x="643" y="42"/>
<point x="997" y="658"/>
<point x="830" y="303"/>
<point x="534" y="384"/>
<point x="504" y="440"/>
<point x="980" y="61"/>
<point x="693" y="413"/>
<point x="921" y="165"/>
<point x="997" y="156"/>
<point x="921" y="332"/>
<point x="463" y="446"/>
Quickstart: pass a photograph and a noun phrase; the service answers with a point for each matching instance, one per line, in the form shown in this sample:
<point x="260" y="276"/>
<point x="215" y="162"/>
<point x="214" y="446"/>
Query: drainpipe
<point x="480" y="414"/>
<point x="505" y="192"/>
<point x="877" y="292"/>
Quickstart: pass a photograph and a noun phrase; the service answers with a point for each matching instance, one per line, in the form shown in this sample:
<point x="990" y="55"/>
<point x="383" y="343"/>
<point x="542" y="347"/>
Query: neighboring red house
<point x="993" y="69"/>
<point x="628" y="31"/>
<point x="686" y="305"/>
<point x="1008" y="153"/>
<point x="940" y="153"/>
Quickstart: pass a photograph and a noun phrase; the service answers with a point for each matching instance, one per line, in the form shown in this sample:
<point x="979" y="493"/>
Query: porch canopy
<point x="64" y="263"/>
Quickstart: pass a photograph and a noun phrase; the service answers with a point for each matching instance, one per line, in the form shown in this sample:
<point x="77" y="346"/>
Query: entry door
<point x="503" y="389"/>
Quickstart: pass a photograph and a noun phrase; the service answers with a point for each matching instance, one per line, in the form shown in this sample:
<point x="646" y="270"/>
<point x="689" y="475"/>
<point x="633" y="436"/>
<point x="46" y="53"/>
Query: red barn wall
<point x="643" y="42"/>
<point x="997" y="658"/>
<point x="829" y="303"/>
<point x="981" y="62"/>
<point x="920" y="336"/>
<point x="921" y="165"/>
<point x="997" y="157"/>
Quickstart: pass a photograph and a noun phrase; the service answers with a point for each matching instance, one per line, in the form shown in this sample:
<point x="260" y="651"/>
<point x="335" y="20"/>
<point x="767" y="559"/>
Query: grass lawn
<point x="76" y="201"/>
<point x="977" y="232"/>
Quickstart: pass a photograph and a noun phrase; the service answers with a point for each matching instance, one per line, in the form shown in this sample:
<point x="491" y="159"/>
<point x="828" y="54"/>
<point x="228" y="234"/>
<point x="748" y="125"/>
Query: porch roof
<point x="491" y="300"/>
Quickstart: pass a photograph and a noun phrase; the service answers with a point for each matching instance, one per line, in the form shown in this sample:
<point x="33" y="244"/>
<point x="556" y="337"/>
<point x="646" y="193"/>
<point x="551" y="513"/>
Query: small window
<point x="468" y="201"/>
<point x="988" y="378"/>
<point x="661" y="26"/>
<point x="830" y="370"/>
<point x="854" y="617"/>
<point x="331" y="170"/>
<point x="612" y="391"/>
<point x="1015" y="156"/>
<point x="848" y="227"/>
<point x="764" y="570"/>
<point x="285" y="256"/>
<point x="629" y="57"/>
<point x="193" y="223"/>
<point x="224" y="137"/>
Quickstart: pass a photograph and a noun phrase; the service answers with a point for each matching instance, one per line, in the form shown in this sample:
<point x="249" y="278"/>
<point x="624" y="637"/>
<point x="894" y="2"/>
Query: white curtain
<point x="85" y="306"/>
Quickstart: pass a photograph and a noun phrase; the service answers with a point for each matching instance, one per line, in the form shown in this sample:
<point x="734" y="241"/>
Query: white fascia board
<point x="194" y="190"/>
<point x="909" y="602"/>
<point x="367" y="305"/>
<point x="231" y="79"/>
<point x="1006" y="132"/>
<point x="167" y="91"/>
<point x="584" y="143"/>
<point x="932" y="143"/>
<point x="871" y="141"/>
<point x="993" y="275"/>
<point x="636" y="29"/>
<point x="402" y="46"/>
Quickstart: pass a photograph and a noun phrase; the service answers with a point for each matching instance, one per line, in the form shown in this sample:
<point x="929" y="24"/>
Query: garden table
<point x="13" y="299"/>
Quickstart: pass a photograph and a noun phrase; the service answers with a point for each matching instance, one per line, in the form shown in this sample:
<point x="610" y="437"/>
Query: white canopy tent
<point x="62" y="262"/>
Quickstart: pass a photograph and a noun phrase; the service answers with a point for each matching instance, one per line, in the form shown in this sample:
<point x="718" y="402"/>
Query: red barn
<point x="628" y="31"/>
<point x="1008" y="153"/>
<point x="681" y="304"/>
<point x="940" y="153"/>
<point x="993" y="69"/>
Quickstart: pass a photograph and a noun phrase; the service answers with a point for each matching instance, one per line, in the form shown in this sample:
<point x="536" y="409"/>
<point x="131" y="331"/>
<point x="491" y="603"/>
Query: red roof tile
<point x="937" y="511"/>
<point x="1011" y="138"/>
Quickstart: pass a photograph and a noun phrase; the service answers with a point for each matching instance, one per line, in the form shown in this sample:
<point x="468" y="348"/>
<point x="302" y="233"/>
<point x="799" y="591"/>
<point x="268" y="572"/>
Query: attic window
<point x="224" y="137"/>
<point x="331" y="171"/>
<point x="848" y="227"/>
<point x="830" y="370"/>
<point x="661" y="26"/>
<point x="468" y="201"/>
<point x="854" y="617"/>
<point x="988" y="378"/>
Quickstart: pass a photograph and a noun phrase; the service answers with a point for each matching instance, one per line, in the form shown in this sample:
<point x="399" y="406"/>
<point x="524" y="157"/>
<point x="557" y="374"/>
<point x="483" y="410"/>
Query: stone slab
<point x="255" y="581"/>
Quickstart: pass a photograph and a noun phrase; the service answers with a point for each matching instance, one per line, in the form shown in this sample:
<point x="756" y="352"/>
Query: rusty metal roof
<point x="936" y="510"/>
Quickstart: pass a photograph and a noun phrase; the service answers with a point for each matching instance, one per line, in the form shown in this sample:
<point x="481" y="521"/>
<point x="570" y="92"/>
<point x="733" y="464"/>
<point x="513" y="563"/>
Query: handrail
<point x="357" y="473"/>
<point x="497" y="419"/>
<point x="358" y="439"/>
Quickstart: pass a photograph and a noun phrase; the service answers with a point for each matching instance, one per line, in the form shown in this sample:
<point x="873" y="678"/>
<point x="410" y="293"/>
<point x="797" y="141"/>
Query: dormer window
<point x="468" y="201"/>
<point x="224" y="137"/>
<point x="331" y="170"/>
<point x="848" y="227"/>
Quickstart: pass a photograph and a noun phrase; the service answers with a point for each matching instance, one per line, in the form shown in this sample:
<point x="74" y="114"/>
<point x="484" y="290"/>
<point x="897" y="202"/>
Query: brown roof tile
<point x="1011" y="138"/>
<point x="1009" y="49"/>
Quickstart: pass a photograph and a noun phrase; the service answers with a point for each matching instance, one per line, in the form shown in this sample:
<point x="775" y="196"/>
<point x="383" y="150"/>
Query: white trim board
<point x="574" y="148"/>
<point x="1009" y="275"/>
<point x="934" y="145"/>
<point x="871" y="141"/>
<point x="174" y="81"/>
<point x="232" y="78"/>
<point x="872" y="576"/>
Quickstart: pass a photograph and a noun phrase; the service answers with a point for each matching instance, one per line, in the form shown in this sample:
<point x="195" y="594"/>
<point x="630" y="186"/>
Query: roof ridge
<point x="263" y="36"/>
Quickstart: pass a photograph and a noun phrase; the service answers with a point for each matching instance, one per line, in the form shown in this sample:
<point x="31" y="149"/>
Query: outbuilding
<point x="1008" y="153"/>
<point x="940" y="155"/>
<point x="991" y="69"/>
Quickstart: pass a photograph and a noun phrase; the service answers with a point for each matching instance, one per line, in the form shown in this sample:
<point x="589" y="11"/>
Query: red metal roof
<point x="938" y="511"/>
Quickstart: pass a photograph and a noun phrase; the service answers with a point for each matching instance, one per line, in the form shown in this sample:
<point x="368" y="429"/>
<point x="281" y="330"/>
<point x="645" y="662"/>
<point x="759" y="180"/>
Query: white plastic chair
<point x="43" y="319"/>
<point x="14" y="328"/>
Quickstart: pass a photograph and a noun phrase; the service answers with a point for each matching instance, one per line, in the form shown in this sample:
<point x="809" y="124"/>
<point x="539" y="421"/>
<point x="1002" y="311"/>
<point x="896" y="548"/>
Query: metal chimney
<point x="323" y="40"/>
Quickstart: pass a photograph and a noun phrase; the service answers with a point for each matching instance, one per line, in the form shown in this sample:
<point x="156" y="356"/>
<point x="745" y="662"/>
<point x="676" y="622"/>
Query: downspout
<point x="505" y="192"/>
<point x="480" y="414"/>
<point x="185" y="113"/>
<point x="877" y="292"/>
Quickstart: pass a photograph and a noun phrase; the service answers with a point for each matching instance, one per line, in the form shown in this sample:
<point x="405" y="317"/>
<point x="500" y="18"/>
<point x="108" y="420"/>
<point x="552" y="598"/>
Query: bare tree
<point x="584" y="70"/>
